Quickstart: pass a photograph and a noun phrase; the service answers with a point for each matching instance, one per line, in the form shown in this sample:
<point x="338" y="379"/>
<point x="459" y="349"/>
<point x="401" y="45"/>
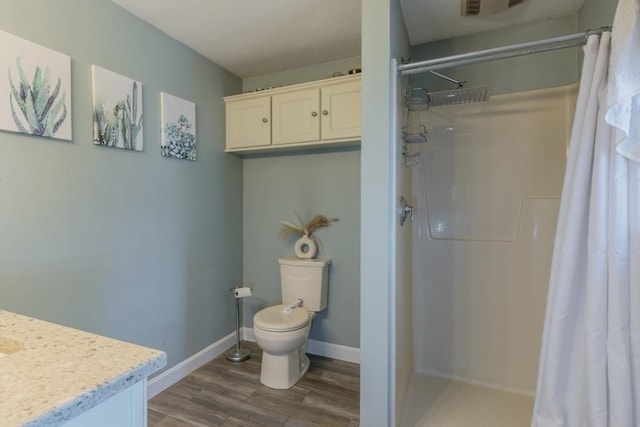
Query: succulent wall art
<point x="35" y="89"/>
<point x="117" y="110"/>
<point x="178" y="127"/>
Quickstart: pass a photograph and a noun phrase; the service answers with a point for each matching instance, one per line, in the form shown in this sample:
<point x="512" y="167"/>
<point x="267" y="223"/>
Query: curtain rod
<point x="519" y="49"/>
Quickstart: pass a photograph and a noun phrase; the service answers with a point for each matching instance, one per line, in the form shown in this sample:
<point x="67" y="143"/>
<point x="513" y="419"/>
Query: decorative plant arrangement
<point x="178" y="136"/>
<point x="35" y="92"/>
<point x="120" y="125"/>
<point x="306" y="246"/>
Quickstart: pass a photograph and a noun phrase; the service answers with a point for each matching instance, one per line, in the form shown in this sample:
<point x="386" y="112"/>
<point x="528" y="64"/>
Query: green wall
<point x="276" y="188"/>
<point x="596" y="13"/>
<point x="548" y="69"/>
<point x="529" y="72"/>
<point x="130" y="245"/>
<point x="301" y="75"/>
<point x="383" y="37"/>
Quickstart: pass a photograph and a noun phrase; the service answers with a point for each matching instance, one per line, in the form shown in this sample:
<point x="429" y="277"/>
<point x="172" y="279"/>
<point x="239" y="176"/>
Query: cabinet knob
<point x="325" y="113"/>
<point x="265" y="120"/>
<point x="314" y="114"/>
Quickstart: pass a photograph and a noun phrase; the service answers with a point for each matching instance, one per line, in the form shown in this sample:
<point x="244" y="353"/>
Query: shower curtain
<point x="589" y="370"/>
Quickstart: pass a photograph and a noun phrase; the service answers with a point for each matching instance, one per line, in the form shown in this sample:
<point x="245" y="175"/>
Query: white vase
<point x="305" y="247"/>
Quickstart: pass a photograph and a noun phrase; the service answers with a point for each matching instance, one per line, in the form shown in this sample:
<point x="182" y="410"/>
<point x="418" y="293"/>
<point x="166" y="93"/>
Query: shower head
<point x="458" y="96"/>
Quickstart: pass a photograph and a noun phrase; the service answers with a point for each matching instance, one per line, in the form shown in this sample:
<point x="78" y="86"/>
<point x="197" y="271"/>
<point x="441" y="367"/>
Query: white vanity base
<point x="125" y="409"/>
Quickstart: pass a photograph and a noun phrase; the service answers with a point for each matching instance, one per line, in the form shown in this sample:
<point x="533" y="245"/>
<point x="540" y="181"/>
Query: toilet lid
<point x="275" y="320"/>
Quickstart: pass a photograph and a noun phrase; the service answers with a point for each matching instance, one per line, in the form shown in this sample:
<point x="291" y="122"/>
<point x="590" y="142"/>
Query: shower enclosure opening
<point x="486" y="188"/>
<point x="484" y="177"/>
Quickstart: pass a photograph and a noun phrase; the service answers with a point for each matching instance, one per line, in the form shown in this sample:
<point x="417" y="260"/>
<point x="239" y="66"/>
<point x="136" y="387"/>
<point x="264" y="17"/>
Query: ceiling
<point x="256" y="37"/>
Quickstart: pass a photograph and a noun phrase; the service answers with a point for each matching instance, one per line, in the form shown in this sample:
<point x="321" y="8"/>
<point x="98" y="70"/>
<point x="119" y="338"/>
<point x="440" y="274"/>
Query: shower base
<point x="439" y="402"/>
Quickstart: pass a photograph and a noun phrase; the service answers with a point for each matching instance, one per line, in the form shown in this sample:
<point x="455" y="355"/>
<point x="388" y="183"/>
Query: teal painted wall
<point x="124" y="244"/>
<point x="383" y="37"/>
<point x="301" y="75"/>
<point x="548" y="69"/>
<point x="542" y="70"/>
<point x="596" y="13"/>
<point x="276" y="188"/>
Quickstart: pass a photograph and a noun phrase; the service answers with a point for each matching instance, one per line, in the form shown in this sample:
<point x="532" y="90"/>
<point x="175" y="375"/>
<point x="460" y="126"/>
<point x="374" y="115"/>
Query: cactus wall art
<point x="35" y="89"/>
<point x="178" y="119"/>
<point x="117" y="110"/>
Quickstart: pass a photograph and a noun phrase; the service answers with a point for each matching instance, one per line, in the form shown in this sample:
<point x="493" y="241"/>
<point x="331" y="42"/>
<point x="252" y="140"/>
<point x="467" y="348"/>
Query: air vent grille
<point x="472" y="7"/>
<point x="486" y="7"/>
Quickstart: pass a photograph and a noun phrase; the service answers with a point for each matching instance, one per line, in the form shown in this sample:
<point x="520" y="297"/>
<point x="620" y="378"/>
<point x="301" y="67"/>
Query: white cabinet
<point x="125" y="409"/>
<point x="341" y="110"/>
<point x="249" y="122"/>
<point x="295" y="116"/>
<point x="310" y="115"/>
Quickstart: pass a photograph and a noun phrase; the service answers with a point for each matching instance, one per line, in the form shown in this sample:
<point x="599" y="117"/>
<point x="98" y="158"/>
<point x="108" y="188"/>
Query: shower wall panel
<point x="488" y="190"/>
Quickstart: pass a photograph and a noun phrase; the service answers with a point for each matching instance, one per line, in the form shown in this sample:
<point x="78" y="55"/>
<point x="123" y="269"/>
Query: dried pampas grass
<point x="315" y="223"/>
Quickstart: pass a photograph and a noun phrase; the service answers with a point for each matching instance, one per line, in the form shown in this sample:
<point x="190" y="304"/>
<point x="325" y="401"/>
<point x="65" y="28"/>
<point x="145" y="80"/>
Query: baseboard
<point x="319" y="348"/>
<point x="174" y="374"/>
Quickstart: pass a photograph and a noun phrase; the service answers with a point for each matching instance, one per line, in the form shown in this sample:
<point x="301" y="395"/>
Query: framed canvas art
<point x="35" y="89"/>
<point x="178" y="119"/>
<point x="117" y="110"/>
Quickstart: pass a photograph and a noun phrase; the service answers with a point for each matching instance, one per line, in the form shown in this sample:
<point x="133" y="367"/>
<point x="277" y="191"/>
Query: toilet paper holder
<point x="237" y="354"/>
<point x="241" y="291"/>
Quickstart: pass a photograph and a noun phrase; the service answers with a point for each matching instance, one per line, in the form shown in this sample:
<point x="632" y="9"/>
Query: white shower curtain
<point x="589" y="371"/>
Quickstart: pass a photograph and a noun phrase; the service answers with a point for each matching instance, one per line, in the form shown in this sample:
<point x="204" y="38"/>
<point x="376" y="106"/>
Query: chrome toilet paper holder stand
<point x="237" y="354"/>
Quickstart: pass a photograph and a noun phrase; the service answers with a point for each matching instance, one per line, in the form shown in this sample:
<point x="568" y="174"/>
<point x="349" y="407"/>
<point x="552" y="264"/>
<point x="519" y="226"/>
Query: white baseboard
<point x="246" y="334"/>
<point x="174" y="374"/>
<point x="319" y="348"/>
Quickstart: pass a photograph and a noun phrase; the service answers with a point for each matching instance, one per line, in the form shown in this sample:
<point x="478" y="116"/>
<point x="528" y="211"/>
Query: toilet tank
<point x="306" y="279"/>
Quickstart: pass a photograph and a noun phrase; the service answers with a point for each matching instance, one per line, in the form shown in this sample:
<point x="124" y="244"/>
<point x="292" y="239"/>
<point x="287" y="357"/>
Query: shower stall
<point x="481" y="178"/>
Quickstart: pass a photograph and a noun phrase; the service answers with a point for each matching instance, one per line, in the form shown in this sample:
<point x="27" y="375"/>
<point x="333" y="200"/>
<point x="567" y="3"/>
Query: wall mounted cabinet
<point x="308" y="115"/>
<point x="249" y="123"/>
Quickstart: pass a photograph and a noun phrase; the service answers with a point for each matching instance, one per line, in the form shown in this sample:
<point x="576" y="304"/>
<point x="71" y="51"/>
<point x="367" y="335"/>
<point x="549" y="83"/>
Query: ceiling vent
<point x="485" y="7"/>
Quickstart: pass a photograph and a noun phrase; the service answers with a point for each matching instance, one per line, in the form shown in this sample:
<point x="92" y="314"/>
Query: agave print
<point x="34" y="105"/>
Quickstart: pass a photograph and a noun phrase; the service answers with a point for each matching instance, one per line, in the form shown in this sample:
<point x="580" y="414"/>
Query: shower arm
<point x="442" y="76"/>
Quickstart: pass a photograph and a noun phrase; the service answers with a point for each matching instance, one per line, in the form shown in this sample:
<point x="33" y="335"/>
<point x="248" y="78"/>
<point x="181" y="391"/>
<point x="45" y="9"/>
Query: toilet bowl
<point x="283" y="340"/>
<point x="282" y="331"/>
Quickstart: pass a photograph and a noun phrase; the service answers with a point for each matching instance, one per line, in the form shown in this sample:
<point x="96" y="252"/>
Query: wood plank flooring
<point x="222" y="393"/>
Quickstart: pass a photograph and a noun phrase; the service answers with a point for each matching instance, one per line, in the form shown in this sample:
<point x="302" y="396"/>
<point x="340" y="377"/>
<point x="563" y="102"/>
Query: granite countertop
<point x="50" y="373"/>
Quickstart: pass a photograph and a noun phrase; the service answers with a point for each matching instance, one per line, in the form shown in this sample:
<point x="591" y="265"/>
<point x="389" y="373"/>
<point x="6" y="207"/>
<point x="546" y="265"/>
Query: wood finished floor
<point x="222" y="393"/>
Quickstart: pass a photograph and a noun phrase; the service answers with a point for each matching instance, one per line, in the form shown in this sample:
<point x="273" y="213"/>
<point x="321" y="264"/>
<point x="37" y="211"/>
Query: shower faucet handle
<point x="406" y="211"/>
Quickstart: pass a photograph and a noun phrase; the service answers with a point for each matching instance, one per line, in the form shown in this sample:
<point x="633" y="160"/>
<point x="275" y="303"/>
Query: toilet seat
<point x="273" y="319"/>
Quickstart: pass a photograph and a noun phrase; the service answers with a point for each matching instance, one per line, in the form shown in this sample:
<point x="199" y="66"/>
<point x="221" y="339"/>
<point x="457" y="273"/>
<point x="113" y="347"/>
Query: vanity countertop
<point x="53" y="373"/>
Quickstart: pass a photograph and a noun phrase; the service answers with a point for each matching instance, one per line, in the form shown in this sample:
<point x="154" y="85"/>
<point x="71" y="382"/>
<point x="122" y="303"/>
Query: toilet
<point x="282" y="331"/>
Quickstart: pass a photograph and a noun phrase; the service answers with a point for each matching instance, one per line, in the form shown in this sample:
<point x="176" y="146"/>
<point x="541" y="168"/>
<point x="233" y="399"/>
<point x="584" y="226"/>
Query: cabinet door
<point x="341" y="111"/>
<point x="249" y="122"/>
<point x="296" y="117"/>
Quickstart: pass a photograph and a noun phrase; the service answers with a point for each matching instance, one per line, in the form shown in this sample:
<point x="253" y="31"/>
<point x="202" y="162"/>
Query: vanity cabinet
<point x="125" y="409"/>
<point x="307" y="115"/>
<point x="59" y="376"/>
